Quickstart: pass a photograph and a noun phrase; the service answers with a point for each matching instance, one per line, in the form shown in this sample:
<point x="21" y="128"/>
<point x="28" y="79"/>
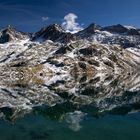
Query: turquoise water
<point x="55" y="123"/>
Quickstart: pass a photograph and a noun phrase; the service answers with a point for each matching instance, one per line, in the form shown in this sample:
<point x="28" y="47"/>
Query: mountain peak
<point x="53" y="32"/>
<point x="90" y="30"/>
<point x="10" y="33"/>
<point x="118" y="28"/>
<point x="93" y="27"/>
<point x="9" y="28"/>
<point x="117" y="34"/>
<point x="53" y="27"/>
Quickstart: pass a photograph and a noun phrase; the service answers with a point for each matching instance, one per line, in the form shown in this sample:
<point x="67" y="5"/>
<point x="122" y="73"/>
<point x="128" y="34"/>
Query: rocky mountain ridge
<point x="126" y="36"/>
<point x="96" y="66"/>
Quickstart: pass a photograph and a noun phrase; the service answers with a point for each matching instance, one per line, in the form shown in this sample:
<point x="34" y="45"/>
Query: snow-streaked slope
<point x="92" y="69"/>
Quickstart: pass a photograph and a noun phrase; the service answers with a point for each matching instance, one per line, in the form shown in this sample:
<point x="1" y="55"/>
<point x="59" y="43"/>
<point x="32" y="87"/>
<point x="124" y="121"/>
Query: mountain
<point x="89" y="31"/>
<point x="120" y="29"/>
<point x="125" y="36"/>
<point x="93" y="49"/>
<point x="11" y="34"/>
<point x="81" y="56"/>
<point x="53" y="32"/>
<point x="98" y="66"/>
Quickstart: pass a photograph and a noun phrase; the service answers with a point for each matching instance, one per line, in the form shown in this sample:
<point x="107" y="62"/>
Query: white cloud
<point x="45" y="18"/>
<point x="70" y="24"/>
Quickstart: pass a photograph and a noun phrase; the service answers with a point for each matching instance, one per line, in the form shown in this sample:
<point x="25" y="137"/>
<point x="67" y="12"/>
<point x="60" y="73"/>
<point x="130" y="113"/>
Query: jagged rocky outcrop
<point x="79" y="56"/>
<point x="11" y="34"/>
<point x="125" y="36"/>
<point x="53" y="32"/>
<point x="89" y="31"/>
<point x="120" y="29"/>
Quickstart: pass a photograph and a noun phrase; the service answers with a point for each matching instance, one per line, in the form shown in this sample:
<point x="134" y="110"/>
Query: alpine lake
<point x="70" y="108"/>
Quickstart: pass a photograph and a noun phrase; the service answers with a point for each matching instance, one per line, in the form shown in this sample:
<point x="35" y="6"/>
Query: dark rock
<point x="94" y="62"/>
<point x="55" y="33"/>
<point x="90" y="30"/>
<point x="88" y="51"/>
<point x="11" y="34"/>
<point x="115" y="29"/>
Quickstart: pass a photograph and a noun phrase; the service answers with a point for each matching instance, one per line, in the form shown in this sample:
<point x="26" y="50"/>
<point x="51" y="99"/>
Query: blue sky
<point x="31" y="15"/>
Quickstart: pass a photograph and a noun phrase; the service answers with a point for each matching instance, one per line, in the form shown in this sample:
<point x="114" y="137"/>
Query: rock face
<point x="11" y="34"/>
<point x="90" y="30"/>
<point x="79" y="56"/>
<point x="125" y="36"/>
<point x="48" y="70"/>
<point x="53" y="32"/>
<point x="120" y="29"/>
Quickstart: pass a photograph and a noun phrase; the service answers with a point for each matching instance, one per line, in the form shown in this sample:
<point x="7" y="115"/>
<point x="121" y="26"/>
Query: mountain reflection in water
<point x="62" y="94"/>
<point x="61" y="106"/>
